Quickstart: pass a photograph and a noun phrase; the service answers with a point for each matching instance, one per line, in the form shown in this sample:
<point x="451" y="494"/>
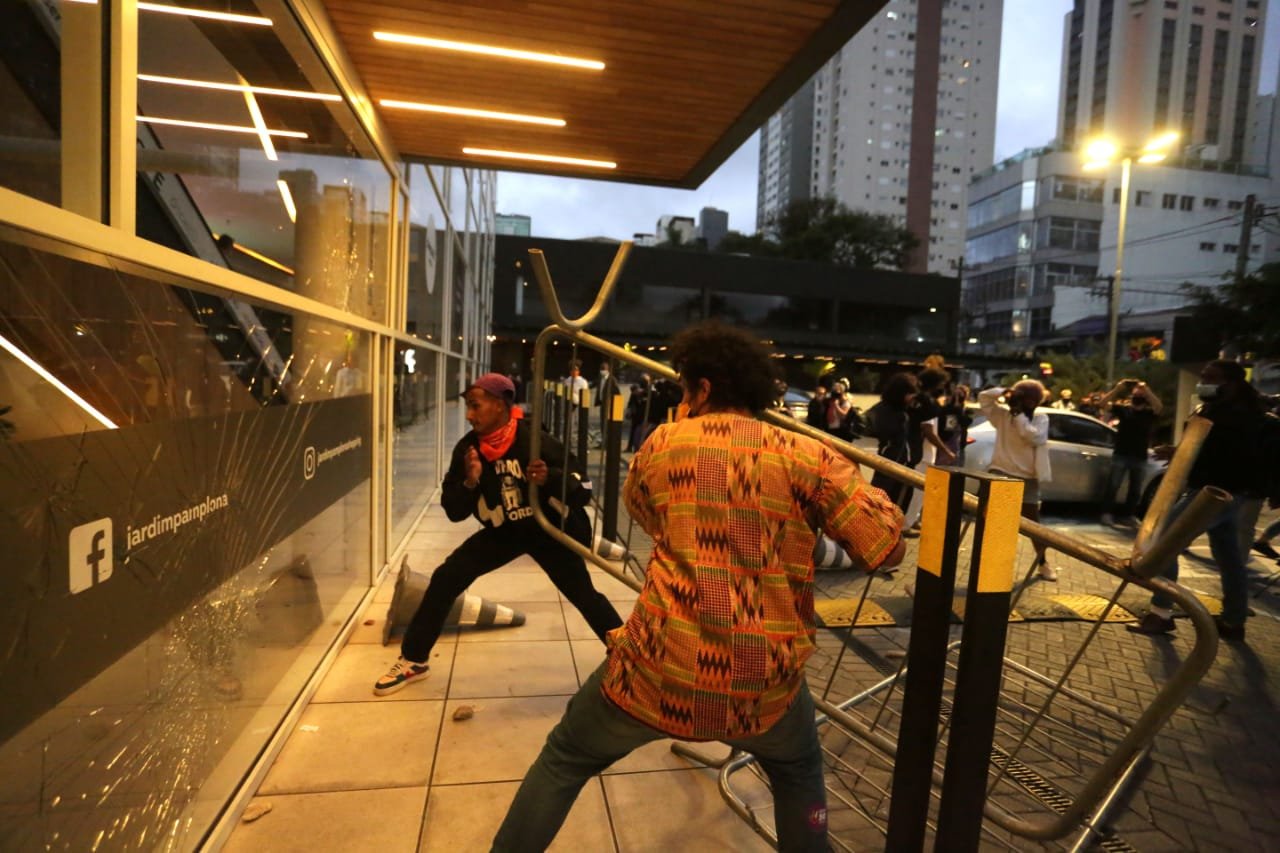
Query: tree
<point x="1245" y="313"/>
<point x="824" y="230"/>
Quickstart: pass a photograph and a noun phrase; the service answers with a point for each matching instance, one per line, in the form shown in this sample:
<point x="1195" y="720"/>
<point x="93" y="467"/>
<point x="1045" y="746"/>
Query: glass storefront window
<point x="416" y="421"/>
<point x="191" y="472"/>
<point x="47" y="109"/>
<point x="253" y="161"/>
<point x="428" y="243"/>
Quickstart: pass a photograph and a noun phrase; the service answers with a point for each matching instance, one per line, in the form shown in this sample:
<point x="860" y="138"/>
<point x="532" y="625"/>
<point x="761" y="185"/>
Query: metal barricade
<point x="1058" y="760"/>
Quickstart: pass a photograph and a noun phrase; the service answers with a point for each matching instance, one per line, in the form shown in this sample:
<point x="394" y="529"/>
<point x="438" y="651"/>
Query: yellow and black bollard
<point x="982" y="642"/>
<point x="612" y="462"/>
<point x="926" y="657"/>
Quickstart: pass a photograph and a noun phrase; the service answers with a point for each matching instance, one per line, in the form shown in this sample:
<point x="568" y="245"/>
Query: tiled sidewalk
<point x="398" y="774"/>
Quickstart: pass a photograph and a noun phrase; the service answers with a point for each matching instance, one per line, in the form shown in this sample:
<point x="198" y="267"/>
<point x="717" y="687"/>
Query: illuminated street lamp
<point x="1101" y="153"/>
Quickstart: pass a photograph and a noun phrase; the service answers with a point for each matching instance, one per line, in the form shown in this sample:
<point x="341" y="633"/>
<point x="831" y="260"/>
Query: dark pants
<point x="1125" y="466"/>
<point x="1225" y="546"/>
<point x="491" y="549"/>
<point x="898" y="491"/>
<point x="595" y="733"/>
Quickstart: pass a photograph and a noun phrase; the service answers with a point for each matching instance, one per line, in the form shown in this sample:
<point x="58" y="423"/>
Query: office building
<point x="786" y="152"/>
<point x="713" y="225"/>
<point x="677" y="230"/>
<point x="1042" y="246"/>
<point x="1132" y="70"/>
<point x="512" y="224"/>
<point x="859" y="143"/>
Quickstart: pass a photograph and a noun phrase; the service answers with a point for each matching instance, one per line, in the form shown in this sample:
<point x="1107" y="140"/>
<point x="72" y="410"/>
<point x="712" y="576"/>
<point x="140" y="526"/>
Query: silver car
<point x="1079" y="456"/>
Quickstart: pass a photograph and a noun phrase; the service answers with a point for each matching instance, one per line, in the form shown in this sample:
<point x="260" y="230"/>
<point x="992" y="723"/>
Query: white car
<point x="1079" y="456"/>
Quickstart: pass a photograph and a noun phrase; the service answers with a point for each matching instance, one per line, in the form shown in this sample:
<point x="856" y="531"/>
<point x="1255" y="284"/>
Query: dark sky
<point x="1026" y="116"/>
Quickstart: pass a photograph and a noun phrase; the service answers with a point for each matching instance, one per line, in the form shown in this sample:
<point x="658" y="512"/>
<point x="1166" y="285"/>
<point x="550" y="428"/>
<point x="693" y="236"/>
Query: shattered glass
<point x="185" y="504"/>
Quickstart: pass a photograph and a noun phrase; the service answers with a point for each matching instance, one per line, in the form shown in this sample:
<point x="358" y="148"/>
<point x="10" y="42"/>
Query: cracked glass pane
<point x="185" y="504"/>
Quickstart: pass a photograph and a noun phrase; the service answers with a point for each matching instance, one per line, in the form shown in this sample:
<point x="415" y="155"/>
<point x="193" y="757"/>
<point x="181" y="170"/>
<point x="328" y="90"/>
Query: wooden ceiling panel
<point x="685" y="81"/>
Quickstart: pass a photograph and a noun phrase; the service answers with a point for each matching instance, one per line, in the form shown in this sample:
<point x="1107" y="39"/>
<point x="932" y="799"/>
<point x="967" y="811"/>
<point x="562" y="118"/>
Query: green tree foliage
<point x="824" y="230"/>
<point x="1246" y="313"/>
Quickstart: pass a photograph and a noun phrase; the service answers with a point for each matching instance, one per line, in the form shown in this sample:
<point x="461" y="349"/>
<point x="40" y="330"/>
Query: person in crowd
<point x="954" y="421"/>
<point x="1064" y="401"/>
<point x="716" y="645"/>
<point x="887" y="420"/>
<point x="1133" y="409"/>
<point x="1230" y="459"/>
<point x="1091" y="405"/>
<point x="1022" y="448"/>
<point x="488" y="479"/>
<point x="838" y="406"/>
<point x="925" y="444"/>
<point x="817" y="417"/>
<point x="638" y="411"/>
<point x="575" y="383"/>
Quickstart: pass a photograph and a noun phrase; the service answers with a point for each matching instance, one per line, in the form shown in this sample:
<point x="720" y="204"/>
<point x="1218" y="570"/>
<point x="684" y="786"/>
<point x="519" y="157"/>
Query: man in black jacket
<point x="489" y="478"/>
<point x="1231" y="459"/>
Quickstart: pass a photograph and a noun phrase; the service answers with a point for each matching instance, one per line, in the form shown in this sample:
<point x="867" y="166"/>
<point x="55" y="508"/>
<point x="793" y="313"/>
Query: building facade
<point x="1133" y="69"/>
<point x="1043" y="236"/>
<point x="513" y="224"/>
<point x="859" y="144"/>
<point x="786" y="151"/>
<point x="233" y="329"/>
<point x="713" y="225"/>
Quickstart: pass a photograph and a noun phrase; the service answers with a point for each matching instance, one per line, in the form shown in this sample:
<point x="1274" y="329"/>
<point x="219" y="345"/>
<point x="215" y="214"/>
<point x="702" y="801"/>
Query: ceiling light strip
<point x="208" y="14"/>
<point x="233" y="87"/>
<point x="490" y="50"/>
<point x="472" y="113"/>
<point x="540" y="158"/>
<point x="260" y="125"/>
<point x="286" y="195"/>
<point x="229" y="128"/>
<point x="30" y="362"/>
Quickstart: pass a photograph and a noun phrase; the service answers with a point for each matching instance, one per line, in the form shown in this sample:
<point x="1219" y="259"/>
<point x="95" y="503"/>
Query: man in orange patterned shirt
<point x="716" y="645"/>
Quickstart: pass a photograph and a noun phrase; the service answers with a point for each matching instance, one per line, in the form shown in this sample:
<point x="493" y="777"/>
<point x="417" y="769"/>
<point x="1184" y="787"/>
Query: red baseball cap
<point x="495" y="384"/>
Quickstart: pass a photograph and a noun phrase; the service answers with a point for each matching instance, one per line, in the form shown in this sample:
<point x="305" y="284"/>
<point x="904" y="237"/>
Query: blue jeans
<point x="1224" y="544"/>
<point x="1122" y="466"/>
<point x="595" y="733"/>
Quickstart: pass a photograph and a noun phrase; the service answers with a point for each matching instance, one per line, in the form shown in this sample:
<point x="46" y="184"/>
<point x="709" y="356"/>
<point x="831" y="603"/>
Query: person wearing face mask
<point x="1022" y="448"/>
<point x="1229" y="459"/>
<point x="488" y="479"/>
<point x="1135" y="419"/>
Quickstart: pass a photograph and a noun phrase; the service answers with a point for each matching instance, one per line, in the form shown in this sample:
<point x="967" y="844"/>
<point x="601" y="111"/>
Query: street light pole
<point x="1114" y="326"/>
<point x="1103" y="152"/>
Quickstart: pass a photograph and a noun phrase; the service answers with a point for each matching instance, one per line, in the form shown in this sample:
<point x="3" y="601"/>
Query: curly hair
<point x="737" y="365"/>
<point x="898" y="388"/>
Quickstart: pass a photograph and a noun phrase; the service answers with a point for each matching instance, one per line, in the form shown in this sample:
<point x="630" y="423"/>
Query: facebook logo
<point x="90" y="554"/>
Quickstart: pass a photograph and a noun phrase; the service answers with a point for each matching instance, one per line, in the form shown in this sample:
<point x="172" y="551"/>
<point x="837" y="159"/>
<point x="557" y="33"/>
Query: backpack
<point x="870" y="419"/>
<point x="855" y="423"/>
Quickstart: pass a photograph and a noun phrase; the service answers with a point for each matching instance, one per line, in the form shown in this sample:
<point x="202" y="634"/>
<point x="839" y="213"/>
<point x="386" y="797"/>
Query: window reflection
<point x="252" y="161"/>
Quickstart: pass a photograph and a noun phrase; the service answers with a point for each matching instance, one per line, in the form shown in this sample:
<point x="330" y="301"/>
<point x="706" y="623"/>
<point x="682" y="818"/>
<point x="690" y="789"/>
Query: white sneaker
<point x="401" y="673"/>
<point x="1048" y="572"/>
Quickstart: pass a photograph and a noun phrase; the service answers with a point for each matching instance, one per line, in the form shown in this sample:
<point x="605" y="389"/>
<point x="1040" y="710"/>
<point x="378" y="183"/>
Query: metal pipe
<point x="1091" y="831"/>
<point x="1204" y="507"/>
<point x="538" y="262"/>
<point x="1173" y="483"/>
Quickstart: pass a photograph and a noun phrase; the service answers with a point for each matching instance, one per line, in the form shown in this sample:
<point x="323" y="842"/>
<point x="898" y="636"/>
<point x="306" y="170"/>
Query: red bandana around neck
<point x="498" y="442"/>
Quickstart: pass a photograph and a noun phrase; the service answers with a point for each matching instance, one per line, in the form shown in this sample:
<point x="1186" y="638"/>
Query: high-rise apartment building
<point x="859" y="141"/>
<point x="1135" y="68"/>
<point x="786" y="149"/>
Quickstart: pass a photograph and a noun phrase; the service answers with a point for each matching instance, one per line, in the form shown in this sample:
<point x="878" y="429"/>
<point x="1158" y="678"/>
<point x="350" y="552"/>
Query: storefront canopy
<point x="683" y="83"/>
